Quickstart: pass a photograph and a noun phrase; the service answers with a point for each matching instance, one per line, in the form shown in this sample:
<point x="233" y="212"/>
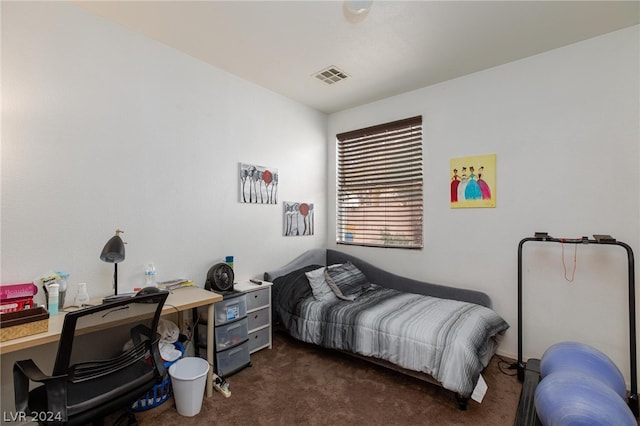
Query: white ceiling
<point x="399" y="45"/>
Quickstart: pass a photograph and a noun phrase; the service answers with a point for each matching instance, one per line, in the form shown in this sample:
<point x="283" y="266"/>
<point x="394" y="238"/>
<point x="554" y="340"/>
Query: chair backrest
<point x="101" y="339"/>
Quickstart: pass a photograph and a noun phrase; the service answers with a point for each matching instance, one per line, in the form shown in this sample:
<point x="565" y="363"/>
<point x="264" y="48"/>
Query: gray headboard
<point x="408" y="285"/>
<point x="379" y="276"/>
<point x="309" y="257"/>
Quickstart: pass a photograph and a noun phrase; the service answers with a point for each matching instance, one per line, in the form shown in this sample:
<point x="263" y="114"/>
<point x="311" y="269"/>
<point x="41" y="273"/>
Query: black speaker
<point x="219" y="278"/>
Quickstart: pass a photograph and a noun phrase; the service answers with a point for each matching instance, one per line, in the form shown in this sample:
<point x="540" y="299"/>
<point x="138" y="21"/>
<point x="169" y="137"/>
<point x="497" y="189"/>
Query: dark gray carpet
<point x="299" y="384"/>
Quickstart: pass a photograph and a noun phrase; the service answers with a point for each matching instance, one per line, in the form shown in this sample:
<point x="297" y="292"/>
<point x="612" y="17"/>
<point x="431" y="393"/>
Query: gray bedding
<point x="448" y="339"/>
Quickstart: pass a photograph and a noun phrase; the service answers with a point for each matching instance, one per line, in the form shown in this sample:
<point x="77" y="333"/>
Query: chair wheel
<point x="127" y="418"/>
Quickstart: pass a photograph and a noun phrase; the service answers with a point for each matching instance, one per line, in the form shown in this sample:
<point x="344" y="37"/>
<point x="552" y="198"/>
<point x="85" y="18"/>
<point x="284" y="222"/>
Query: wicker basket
<point x="23" y="323"/>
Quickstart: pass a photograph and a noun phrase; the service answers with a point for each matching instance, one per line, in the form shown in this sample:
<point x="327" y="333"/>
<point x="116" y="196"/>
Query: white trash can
<point x="188" y="379"/>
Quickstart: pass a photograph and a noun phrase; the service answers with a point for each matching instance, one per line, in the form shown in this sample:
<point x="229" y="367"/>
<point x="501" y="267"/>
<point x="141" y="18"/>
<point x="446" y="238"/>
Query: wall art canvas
<point x="258" y="184"/>
<point x="298" y="219"/>
<point x="473" y="181"/>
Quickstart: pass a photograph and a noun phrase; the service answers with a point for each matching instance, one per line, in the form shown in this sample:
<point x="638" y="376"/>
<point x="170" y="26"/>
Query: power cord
<point x="504" y="365"/>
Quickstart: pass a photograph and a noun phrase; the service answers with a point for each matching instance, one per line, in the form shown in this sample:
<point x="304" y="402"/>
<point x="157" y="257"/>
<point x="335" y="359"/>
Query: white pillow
<point x="319" y="287"/>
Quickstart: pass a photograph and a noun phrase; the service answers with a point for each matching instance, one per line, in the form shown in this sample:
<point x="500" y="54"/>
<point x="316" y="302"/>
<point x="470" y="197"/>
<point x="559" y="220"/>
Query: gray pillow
<point x="347" y="278"/>
<point x="319" y="287"/>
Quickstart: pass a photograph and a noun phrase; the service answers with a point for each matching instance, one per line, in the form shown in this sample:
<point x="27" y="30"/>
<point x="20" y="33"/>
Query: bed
<point x="439" y="334"/>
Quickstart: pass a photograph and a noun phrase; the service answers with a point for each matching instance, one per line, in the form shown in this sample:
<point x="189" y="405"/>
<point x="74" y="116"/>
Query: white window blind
<point x="379" y="185"/>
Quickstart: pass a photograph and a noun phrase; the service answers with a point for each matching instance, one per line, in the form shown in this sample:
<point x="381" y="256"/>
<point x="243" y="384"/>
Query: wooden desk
<point x="179" y="300"/>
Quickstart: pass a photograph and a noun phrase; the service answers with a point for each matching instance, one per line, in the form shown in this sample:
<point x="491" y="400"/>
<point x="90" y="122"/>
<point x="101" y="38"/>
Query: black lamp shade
<point x="113" y="251"/>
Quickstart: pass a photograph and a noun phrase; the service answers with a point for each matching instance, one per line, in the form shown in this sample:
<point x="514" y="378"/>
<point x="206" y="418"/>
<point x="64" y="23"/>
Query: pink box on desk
<point x="17" y="291"/>
<point x="16" y="297"/>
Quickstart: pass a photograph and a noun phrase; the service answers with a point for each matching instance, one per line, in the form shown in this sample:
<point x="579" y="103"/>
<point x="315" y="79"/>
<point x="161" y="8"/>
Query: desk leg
<point x="210" y="325"/>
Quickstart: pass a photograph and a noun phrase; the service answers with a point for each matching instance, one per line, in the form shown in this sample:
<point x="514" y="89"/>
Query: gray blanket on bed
<point x="450" y="340"/>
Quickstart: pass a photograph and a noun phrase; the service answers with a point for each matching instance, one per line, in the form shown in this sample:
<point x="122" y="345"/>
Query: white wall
<point x="564" y="128"/>
<point x="103" y="129"/>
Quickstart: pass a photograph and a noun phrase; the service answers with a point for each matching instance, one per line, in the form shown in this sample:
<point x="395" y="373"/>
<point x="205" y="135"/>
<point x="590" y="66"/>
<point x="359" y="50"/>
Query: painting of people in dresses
<point x="473" y="181"/>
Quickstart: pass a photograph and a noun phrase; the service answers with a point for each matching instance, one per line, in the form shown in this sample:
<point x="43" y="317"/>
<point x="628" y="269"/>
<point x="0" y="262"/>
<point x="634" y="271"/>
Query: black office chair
<point x="107" y="358"/>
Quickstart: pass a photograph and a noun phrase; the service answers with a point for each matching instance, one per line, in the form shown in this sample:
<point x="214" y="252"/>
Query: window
<point x="379" y="185"/>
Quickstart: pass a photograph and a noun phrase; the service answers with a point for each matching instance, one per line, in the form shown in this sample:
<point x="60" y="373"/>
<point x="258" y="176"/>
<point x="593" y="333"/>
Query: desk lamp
<point x="113" y="252"/>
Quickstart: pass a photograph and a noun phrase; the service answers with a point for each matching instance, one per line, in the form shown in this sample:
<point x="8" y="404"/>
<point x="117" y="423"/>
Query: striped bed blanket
<point x="450" y="340"/>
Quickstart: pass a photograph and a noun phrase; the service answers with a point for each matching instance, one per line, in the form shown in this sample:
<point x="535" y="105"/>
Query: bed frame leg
<point x="462" y="402"/>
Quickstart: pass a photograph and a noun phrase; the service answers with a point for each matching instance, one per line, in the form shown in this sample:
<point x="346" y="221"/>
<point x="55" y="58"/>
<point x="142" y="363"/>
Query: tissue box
<point x="23" y="323"/>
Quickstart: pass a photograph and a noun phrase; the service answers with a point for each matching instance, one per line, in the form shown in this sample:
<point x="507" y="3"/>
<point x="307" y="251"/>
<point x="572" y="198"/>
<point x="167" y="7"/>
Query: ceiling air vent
<point x="330" y="75"/>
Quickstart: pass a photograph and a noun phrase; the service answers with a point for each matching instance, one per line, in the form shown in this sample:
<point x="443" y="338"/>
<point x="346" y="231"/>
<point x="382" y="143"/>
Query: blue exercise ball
<point x="574" y="356"/>
<point x="570" y="398"/>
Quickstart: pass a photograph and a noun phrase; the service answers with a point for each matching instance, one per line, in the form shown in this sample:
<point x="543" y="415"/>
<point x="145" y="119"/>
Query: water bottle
<point x="150" y="276"/>
<point x="53" y="298"/>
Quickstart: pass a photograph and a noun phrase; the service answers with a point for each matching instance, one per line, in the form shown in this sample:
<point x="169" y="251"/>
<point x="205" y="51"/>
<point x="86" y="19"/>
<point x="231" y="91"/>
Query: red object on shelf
<point x="13" y="305"/>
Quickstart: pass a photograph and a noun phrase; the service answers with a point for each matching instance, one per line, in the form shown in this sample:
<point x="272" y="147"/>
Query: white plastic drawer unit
<point x="257" y="299"/>
<point x="232" y="360"/>
<point x="231" y="334"/>
<point x="230" y="309"/>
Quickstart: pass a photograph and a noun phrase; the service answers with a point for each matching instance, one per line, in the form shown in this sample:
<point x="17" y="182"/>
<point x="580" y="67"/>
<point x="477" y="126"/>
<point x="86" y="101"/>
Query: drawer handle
<point x="240" y="324"/>
<point x="235" y="351"/>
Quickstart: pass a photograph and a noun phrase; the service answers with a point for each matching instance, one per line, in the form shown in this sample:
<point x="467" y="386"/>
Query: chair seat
<point x="101" y="396"/>
<point x="84" y="395"/>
